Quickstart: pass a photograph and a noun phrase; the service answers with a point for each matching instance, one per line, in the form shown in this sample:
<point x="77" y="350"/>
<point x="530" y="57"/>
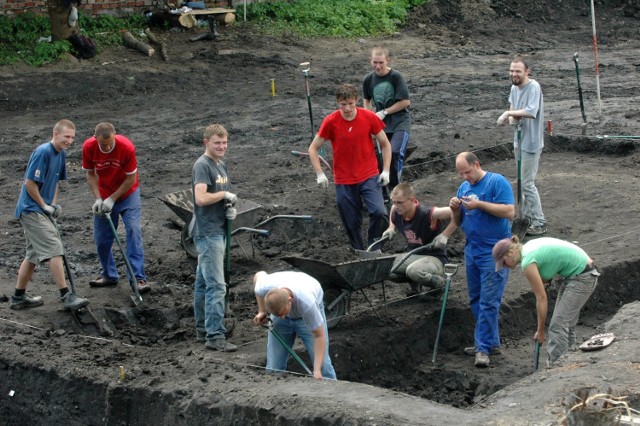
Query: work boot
<point x="201" y="337"/>
<point x="415" y="289"/>
<point x="482" y="360"/>
<point x="536" y="230"/>
<point x="143" y="287"/>
<point x="471" y="351"/>
<point x="71" y="302"/>
<point x="24" y="301"/>
<point x="220" y="344"/>
<point x="102" y="282"/>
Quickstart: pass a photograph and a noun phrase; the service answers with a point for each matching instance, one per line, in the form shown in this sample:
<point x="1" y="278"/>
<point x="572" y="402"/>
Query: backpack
<point x="84" y="46"/>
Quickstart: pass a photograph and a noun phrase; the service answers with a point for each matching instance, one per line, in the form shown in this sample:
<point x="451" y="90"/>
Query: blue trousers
<point x="210" y="288"/>
<point x="349" y="199"/>
<point x="399" y="143"/>
<point x="485" y="288"/>
<point x="288" y="329"/>
<point x="130" y="209"/>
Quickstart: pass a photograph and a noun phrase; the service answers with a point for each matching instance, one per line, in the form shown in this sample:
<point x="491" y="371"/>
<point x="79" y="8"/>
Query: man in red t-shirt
<point x="112" y="174"/>
<point x="355" y="166"/>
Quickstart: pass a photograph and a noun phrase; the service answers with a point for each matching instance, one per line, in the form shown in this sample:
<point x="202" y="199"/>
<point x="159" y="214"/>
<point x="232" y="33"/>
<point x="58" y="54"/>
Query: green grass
<point x="333" y="18"/>
<point x="19" y="36"/>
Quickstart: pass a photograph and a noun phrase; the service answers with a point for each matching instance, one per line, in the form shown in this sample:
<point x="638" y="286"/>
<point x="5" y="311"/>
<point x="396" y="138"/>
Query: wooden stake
<point x="131" y="42"/>
<point x="153" y="39"/>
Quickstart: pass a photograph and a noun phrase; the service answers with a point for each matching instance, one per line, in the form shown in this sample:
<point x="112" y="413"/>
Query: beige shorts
<point x="43" y="241"/>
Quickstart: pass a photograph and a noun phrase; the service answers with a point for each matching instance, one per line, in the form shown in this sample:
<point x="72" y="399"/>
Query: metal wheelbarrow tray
<point x="340" y="280"/>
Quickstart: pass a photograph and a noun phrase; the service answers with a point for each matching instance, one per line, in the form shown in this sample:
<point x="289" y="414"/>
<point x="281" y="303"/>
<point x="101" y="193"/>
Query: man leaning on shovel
<point x="37" y="210"/>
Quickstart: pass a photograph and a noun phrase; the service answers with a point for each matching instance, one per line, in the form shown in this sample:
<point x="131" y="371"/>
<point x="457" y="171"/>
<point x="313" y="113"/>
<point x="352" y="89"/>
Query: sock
<point x="20" y="292"/>
<point x="64" y="291"/>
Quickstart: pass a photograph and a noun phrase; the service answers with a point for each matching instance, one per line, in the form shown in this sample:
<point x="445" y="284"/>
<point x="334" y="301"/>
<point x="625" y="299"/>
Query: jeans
<point x="531" y="206"/>
<point x="130" y="209"/>
<point x="288" y="328"/>
<point x="573" y="294"/>
<point x="399" y="142"/>
<point x="349" y="199"/>
<point x="210" y="288"/>
<point x="485" y="287"/>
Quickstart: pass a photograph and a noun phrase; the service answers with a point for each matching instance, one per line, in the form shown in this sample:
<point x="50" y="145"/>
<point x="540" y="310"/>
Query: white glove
<point x="107" y="205"/>
<point x="48" y="210"/>
<point x="322" y="180"/>
<point x="73" y="17"/>
<point x="230" y="197"/>
<point x="383" y="180"/>
<point x="381" y="115"/>
<point x="230" y="213"/>
<point x="57" y="212"/>
<point x="97" y="206"/>
<point x="503" y="118"/>
<point x="440" y="241"/>
<point x="389" y="233"/>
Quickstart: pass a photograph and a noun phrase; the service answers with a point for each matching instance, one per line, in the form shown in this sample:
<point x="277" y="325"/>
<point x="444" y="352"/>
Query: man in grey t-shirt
<point x="212" y="207"/>
<point x="526" y="111"/>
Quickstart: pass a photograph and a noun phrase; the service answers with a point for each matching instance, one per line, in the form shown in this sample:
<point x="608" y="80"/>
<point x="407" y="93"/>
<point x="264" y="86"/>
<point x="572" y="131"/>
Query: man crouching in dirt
<point x="111" y="167"/>
<point x="295" y="302"/>
<point x="483" y="209"/>
<point x="37" y="211"/>
<point x="212" y="206"/>
<point x="541" y="260"/>
<point x="355" y="166"/>
<point x="419" y="224"/>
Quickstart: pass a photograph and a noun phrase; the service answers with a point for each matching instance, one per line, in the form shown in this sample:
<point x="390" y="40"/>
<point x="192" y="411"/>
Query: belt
<point x="590" y="267"/>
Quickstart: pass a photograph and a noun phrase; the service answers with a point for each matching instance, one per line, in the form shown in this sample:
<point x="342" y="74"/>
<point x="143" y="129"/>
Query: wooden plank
<point x="210" y="11"/>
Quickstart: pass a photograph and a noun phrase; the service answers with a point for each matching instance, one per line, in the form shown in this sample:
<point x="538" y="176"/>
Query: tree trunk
<point x="59" y="19"/>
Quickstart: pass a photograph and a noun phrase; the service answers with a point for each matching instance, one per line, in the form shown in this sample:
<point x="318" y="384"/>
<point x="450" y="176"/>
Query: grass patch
<point x="333" y="18"/>
<point x="21" y="36"/>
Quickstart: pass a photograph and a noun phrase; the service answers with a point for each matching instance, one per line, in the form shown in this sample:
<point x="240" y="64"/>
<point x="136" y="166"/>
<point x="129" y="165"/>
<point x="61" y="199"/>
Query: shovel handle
<point x="295" y="356"/>
<point x="536" y="356"/>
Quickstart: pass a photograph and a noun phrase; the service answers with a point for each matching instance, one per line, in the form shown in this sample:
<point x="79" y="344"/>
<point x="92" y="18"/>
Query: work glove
<point x="48" y="210"/>
<point x="389" y="234"/>
<point x="322" y="180"/>
<point x="503" y="118"/>
<point x="440" y="241"/>
<point x="381" y="115"/>
<point x="107" y="206"/>
<point x="230" y="213"/>
<point x="97" y="206"/>
<point x="57" y="212"/>
<point x="73" y="17"/>
<point x="230" y="198"/>
<point x="383" y="180"/>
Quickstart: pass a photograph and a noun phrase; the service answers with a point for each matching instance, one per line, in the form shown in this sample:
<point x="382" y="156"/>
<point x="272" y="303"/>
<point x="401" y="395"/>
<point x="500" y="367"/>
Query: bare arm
<point x="126" y="185"/>
<point x="385" y="146"/>
<point x="507" y="211"/>
<point x="456" y="214"/>
<point x="444" y="213"/>
<point x="261" y="316"/>
<point x="314" y="153"/>
<point x="92" y="181"/>
<point x="34" y="192"/>
<point x="204" y="198"/>
<point x="398" y="106"/>
<point x="319" y="345"/>
<point x="367" y="104"/>
<point x="533" y="276"/>
<point x="518" y="113"/>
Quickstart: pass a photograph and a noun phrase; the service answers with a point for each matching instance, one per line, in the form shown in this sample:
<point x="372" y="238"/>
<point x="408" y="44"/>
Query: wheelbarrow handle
<point x="378" y="241"/>
<point x="417" y="250"/>
<point x="263" y="232"/>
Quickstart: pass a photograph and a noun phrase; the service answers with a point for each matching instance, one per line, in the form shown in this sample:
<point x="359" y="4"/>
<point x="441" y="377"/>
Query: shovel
<point x="536" y="356"/>
<point x="230" y="322"/>
<point x="135" y="298"/>
<point x="520" y="224"/>
<point x="450" y="270"/>
<point x="295" y="356"/>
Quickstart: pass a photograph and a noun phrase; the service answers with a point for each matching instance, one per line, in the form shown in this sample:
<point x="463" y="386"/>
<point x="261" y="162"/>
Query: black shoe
<point x="25" y="301"/>
<point x="103" y="282"/>
<point x="536" y="230"/>
<point x="143" y="287"/>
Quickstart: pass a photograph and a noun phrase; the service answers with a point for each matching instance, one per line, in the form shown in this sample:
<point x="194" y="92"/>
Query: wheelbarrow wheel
<point x="187" y="243"/>
<point x="334" y="316"/>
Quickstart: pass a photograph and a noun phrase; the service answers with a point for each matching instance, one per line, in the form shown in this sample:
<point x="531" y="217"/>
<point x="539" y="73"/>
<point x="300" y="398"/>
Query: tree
<point x="59" y="11"/>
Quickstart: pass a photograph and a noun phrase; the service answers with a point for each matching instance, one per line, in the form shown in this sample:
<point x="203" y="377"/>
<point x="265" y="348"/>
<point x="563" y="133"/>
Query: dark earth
<point x="455" y="55"/>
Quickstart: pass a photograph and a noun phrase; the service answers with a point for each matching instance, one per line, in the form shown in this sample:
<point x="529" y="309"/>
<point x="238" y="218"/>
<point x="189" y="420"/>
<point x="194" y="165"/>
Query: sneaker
<point x="482" y="360"/>
<point x="221" y="345"/>
<point x="471" y="351"/>
<point x="536" y="230"/>
<point x="143" y="287"/>
<point x="71" y="302"/>
<point x="24" y="301"/>
<point x="103" y="282"/>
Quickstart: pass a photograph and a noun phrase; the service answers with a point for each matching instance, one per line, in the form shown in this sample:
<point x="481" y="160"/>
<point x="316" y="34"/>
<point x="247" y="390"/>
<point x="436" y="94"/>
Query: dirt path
<point x="456" y="57"/>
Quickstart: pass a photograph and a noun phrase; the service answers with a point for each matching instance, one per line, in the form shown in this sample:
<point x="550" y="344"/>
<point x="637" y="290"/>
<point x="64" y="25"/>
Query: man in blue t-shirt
<point x="483" y="209"/>
<point x="37" y="211"/>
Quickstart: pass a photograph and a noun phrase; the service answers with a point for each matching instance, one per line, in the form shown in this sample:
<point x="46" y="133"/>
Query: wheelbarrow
<point x="340" y="280"/>
<point x="181" y="203"/>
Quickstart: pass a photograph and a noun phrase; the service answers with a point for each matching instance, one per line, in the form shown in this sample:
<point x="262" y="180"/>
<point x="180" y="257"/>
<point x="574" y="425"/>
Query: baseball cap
<point x="499" y="250"/>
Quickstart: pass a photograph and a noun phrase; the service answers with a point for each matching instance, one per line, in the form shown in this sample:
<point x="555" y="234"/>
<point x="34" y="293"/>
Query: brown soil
<point x="455" y="55"/>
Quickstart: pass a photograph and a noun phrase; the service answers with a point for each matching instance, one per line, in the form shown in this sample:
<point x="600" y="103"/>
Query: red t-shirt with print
<point x="112" y="168"/>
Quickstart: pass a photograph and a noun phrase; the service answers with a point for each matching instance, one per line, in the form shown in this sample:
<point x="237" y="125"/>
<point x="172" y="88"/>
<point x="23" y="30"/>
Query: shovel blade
<point x="519" y="227"/>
